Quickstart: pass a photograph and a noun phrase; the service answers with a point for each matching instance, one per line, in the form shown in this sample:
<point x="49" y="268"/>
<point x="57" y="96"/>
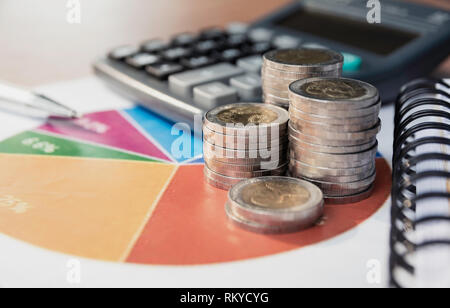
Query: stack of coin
<point x="332" y="132"/>
<point x="244" y="140"/>
<point x="284" y="66"/>
<point x="274" y="204"/>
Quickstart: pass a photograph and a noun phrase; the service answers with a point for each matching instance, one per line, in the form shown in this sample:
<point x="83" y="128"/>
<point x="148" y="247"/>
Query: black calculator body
<point x="194" y="72"/>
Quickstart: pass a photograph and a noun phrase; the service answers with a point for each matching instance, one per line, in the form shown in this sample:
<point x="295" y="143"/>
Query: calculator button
<point x="252" y="64"/>
<point x="236" y="40"/>
<point x="176" y="53"/>
<point x="196" y="62"/>
<point x="184" y="39"/>
<point x="237" y="28"/>
<point x="163" y="70"/>
<point x="214" y="94"/>
<point x="314" y="46"/>
<point x="286" y="41"/>
<point x="351" y="62"/>
<point x="230" y="55"/>
<point x="248" y="86"/>
<point x="212" y="34"/>
<point x="206" y="47"/>
<point x="154" y="46"/>
<point x="260" y="48"/>
<point x="183" y="83"/>
<point x="260" y="35"/>
<point x="142" y="59"/>
<point x="123" y="52"/>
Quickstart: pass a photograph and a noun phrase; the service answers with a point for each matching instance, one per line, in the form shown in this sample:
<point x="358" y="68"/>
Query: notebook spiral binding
<point x="417" y="100"/>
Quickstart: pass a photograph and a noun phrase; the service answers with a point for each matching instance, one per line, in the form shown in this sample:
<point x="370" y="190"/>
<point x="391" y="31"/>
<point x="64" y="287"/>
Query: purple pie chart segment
<point x="108" y="128"/>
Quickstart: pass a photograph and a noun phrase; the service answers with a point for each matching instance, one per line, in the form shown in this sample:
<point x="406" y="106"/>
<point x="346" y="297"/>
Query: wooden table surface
<point x="38" y="45"/>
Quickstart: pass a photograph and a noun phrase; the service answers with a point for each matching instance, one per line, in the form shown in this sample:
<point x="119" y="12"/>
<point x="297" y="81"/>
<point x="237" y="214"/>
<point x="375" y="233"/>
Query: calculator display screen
<point x="375" y="38"/>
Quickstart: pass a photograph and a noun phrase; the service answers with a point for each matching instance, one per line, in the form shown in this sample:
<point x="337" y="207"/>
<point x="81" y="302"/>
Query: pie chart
<point x="108" y="187"/>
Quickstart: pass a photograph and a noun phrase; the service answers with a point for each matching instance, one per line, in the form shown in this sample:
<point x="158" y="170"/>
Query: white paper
<point x="343" y="261"/>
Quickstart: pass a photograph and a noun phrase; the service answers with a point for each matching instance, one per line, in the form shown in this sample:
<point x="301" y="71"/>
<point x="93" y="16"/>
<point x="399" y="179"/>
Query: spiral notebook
<point x="420" y="214"/>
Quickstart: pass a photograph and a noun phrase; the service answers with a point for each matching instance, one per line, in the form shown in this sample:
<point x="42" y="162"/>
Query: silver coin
<point x="316" y="110"/>
<point x="268" y="71"/>
<point x="294" y="112"/>
<point x="219" y="181"/>
<point x="280" y="83"/>
<point x="258" y="228"/>
<point x="223" y="168"/>
<point x="324" y="141"/>
<point x="220" y="169"/>
<point x="278" y="80"/>
<point x="336" y="135"/>
<point x="333" y="93"/>
<point x="303" y="59"/>
<point x="237" y="159"/>
<point x="217" y="184"/>
<point x="308" y="127"/>
<point x="268" y="98"/>
<point x="330" y="108"/>
<point x="276" y="98"/>
<point x="318" y="70"/>
<point x="324" y="159"/>
<point x="275" y="83"/>
<point x="239" y="119"/>
<point x="268" y="77"/>
<point x="342" y="189"/>
<point x="247" y="153"/>
<point x="334" y="164"/>
<point x="244" y="142"/>
<point x="281" y="105"/>
<point x="279" y="86"/>
<point x="277" y="201"/>
<point x="333" y="179"/>
<point x="275" y="93"/>
<point x="319" y="171"/>
<point x="367" y="155"/>
<point x="351" y="198"/>
<point x="297" y="143"/>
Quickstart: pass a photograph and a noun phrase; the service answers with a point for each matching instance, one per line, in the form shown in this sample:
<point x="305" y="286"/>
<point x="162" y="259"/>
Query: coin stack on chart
<point x="282" y="67"/>
<point x="274" y="204"/>
<point x="332" y="132"/>
<point x="244" y="140"/>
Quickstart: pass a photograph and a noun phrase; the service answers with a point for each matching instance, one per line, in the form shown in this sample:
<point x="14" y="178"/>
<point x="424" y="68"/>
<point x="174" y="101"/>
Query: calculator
<point x="192" y="73"/>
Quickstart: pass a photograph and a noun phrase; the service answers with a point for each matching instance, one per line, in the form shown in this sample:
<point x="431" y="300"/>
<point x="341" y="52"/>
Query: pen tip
<point x="76" y="115"/>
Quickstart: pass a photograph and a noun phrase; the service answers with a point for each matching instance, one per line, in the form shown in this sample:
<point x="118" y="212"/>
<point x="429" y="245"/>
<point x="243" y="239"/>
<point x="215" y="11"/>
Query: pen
<point x="19" y="100"/>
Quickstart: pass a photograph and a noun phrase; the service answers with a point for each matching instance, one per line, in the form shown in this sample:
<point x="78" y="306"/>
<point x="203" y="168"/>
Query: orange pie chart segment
<point x="93" y="208"/>
<point x="189" y="225"/>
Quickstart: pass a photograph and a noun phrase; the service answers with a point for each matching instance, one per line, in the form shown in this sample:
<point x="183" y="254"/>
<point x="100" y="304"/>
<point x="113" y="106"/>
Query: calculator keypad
<point x="176" y="53"/>
<point x="143" y="59"/>
<point x="252" y="64"/>
<point x="164" y="70"/>
<point x="214" y="94"/>
<point x="198" y="61"/>
<point x="259" y="35"/>
<point x="286" y="42"/>
<point x="213" y="66"/>
<point x="184" y="83"/>
<point x="154" y="46"/>
<point x="184" y="39"/>
<point x="230" y="55"/>
<point x="248" y="86"/>
<point x="206" y="47"/>
<point x="213" y="34"/>
<point x="123" y="52"/>
<point x="237" y="28"/>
